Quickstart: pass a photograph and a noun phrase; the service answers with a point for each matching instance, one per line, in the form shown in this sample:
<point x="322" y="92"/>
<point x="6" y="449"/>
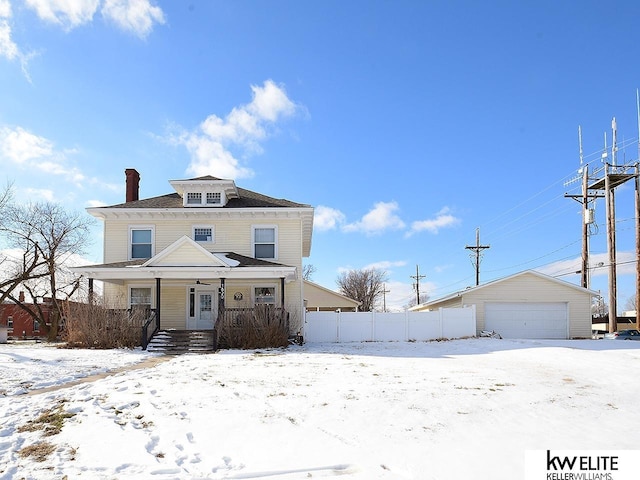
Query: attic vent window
<point x="194" y="198"/>
<point x="214" y="198"/>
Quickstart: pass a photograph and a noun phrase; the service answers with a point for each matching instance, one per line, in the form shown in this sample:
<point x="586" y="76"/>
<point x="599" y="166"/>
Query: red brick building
<point x="20" y="324"/>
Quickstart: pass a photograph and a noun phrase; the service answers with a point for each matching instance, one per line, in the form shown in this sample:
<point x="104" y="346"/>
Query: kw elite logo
<point x="581" y="467"/>
<point x="581" y="464"/>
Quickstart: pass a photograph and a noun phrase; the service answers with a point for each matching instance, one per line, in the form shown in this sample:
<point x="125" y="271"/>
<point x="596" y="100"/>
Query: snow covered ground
<point x="438" y="410"/>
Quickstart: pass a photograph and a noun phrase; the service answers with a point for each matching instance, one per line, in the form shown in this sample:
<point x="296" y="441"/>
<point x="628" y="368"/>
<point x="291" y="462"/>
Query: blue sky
<point x="407" y="125"/>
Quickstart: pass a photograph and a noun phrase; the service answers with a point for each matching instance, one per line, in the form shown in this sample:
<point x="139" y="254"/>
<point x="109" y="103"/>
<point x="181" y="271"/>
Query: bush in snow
<point x="95" y="326"/>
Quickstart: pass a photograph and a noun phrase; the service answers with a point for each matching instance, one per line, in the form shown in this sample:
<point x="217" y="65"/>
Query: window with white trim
<point x="194" y="198"/>
<point x="10" y="322"/>
<point x="203" y="233"/>
<point x="264" y="242"/>
<point x="36" y="326"/>
<point x="264" y="295"/>
<point x="214" y="198"/>
<point x="141" y="242"/>
<point x="140" y="299"/>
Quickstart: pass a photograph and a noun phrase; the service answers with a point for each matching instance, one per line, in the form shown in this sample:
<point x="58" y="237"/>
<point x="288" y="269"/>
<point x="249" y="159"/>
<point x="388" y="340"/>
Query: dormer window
<point x="194" y="198"/>
<point x="214" y="198"/>
<point x="205" y="191"/>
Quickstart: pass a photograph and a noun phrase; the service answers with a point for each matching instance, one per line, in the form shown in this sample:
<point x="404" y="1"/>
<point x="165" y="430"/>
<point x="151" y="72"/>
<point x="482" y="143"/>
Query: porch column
<point x="221" y="294"/>
<point x="158" y="303"/>
<point x="91" y="291"/>
<point x="282" y="292"/>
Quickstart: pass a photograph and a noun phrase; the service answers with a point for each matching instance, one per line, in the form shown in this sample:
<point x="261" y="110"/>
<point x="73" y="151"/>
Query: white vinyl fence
<point x="340" y="327"/>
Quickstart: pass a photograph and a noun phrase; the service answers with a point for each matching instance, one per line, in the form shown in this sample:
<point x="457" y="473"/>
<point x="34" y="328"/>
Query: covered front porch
<point x="212" y="291"/>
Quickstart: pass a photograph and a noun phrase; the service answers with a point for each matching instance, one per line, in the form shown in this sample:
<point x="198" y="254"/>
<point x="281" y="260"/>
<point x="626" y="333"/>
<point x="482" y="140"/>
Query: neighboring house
<point x="320" y="299"/>
<point x="526" y="305"/>
<point x="20" y="323"/>
<point x="208" y="247"/>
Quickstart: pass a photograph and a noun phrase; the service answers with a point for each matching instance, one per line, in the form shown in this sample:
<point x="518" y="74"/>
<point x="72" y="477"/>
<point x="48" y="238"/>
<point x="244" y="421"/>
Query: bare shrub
<point x="261" y="327"/>
<point x="38" y="451"/>
<point x="95" y="326"/>
<point x="50" y="421"/>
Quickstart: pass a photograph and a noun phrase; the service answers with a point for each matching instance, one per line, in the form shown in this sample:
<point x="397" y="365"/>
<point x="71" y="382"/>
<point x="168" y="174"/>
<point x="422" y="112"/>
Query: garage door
<point x="527" y="320"/>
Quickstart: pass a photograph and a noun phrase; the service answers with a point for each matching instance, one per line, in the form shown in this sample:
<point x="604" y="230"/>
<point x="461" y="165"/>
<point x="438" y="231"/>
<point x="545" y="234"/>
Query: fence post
<point x="440" y="315"/>
<point x="338" y="326"/>
<point x="373" y="326"/>
<point x="406" y="325"/>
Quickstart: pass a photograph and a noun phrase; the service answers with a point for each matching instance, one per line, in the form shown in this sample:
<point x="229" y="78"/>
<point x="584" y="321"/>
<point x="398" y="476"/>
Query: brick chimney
<point x="21" y="296"/>
<point x="133" y="184"/>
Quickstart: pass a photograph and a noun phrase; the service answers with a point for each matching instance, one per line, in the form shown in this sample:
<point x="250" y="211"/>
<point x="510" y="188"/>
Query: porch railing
<point x="149" y="329"/>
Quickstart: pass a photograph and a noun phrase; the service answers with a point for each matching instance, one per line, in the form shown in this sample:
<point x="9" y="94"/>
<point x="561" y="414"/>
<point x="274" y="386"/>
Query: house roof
<point x="238" y="199"/>
<point x="501" y="280"/>
<point x="242" y="261"/>
<point x="246" y="199"/>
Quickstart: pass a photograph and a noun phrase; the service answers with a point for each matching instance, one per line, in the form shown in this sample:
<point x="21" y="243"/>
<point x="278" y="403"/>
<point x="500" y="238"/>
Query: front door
<point x="206" y="311"/>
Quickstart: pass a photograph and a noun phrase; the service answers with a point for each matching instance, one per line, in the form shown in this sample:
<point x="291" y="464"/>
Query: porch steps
<point x="175" y="342"/>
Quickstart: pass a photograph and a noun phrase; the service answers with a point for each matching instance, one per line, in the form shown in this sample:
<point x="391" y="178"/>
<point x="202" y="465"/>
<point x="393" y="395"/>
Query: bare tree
<point x="424" y="297"/>
<point x="49" y="236"/>
<point x="308" y="271"/>
<point x="631" y="304"/>
<point x="21" y="260"/>
<point x="365" y="285"/>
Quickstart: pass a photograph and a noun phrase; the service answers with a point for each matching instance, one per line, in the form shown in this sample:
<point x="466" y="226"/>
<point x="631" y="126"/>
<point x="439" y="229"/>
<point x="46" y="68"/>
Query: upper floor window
<point x="264" y="242"/>
<point x="194" y="198"/>
<point x="214" y="198"/>
<point x="203" y="234"/>
<point x="9" y="321"/>
<point x="141" y="240"/>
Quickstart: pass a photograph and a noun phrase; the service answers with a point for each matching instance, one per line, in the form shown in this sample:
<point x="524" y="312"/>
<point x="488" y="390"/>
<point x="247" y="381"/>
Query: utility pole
<point x="638" y="216"/>
<point x="610" y="199"/>
<point x="637" y="241"/>
<point x="417" y="278"/>
<point x="587" y="213"/>
<point x="384" y="297"/>
<point x="477" y="250"/>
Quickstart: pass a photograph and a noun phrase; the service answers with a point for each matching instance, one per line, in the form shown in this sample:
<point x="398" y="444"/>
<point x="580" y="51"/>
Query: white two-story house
<point x="208" y="247"/>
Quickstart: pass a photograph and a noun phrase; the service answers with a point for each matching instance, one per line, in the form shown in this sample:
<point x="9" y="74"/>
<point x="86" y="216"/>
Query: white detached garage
<point x="526" y="305"/>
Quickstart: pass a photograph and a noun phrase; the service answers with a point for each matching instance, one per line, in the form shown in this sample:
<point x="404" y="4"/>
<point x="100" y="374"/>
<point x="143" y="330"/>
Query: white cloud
<point x="382" y="217"/>
<point x="443" y="219"/>
<point x="8" y="48"/>
<point x="96" y="203"/>
<point x="327" y="218"/>
<point x="40" y="194"/>
<point x="135" y="16"/>
<point x="386" y="265"/>
<point x="20" y="146"/>
<point x="66" y="13"/>
<point x="598" y="265"/>
<point x="5" y="9"/>
<point x="28" y="150"/>
<point x="244" y="128"/>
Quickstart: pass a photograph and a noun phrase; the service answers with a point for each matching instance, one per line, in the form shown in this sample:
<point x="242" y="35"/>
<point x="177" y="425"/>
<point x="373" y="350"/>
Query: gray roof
<point x="247" y="199"/>
<point x="243" y="260"/>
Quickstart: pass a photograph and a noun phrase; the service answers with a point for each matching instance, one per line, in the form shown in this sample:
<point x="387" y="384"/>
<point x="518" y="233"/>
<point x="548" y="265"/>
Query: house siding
<point x="173" y="307"/>
<point x="186" y="256"/>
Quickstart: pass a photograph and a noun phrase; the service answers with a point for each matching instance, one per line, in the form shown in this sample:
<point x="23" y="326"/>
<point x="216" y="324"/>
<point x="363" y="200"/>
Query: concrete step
<point x="182" y="341"/>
